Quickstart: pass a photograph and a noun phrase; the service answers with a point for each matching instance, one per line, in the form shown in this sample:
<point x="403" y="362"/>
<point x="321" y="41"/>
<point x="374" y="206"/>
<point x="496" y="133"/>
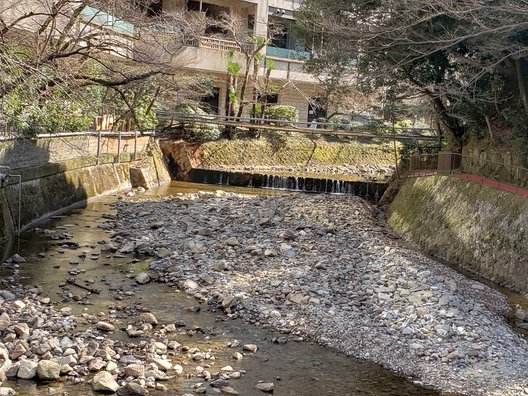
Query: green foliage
<point x="282" y="112"/>
<point x="197" y="131"/>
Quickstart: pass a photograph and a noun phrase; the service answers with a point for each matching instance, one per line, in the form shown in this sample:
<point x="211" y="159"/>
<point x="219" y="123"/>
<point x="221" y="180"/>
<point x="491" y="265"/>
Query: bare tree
<point x="79" y="49"/>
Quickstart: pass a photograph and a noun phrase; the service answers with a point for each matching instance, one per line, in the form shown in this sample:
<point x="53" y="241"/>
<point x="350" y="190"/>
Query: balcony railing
<point x="286" y="53"/>
<point x="213" y="43"/>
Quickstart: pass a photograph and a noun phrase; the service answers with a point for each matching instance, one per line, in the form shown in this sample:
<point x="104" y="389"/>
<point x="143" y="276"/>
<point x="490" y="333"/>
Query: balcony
<point x="213" y="43"/>
<point x="285" y="53"/>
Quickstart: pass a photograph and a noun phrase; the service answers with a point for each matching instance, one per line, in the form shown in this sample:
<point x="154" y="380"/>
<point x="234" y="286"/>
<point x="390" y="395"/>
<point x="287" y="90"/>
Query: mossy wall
<point x="477" y="227"/>
<point x="293" y="151"/>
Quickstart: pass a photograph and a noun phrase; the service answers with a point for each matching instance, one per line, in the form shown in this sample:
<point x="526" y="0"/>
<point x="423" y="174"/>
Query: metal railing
<point x="455" y="163"/>
<point x="315" y="128"/>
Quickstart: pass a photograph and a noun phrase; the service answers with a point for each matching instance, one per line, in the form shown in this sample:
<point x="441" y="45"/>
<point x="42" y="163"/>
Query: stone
<point x="147" y="317"/>
<point x="227" y="390"/>
<point x="266" y="387"/>
<point x="48" y="370"/>
<point x="132" y="389"/>
<point x="6" y="391"/>
<point x="163" y="252"/>
<point x="134" y="370"/>
<point x="27" y="369"/>
<point x="17" y="259"/>
<point x="190" y="285"/>
<point x="7" y="295"/>
<point x="96" y="364"/>
<point x="22" y="330"/>
<point x="162" y="364"/>
<point x="5" y="321"/>
<point x="142" y="278"/>
<point x="232" y="241"/>
<point x="250" y="348"/>
<point x="105" y="326"/>
<point x="103" y="381"/>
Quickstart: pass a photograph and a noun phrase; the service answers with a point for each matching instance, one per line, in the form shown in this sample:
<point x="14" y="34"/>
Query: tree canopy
<point x="468" y="57"/>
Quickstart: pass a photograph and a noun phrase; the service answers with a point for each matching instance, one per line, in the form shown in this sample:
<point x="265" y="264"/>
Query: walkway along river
<point x="79" y="246"/>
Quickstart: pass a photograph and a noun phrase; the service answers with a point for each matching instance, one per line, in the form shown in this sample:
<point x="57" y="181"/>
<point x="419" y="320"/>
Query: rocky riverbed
<point x="81" y="313"/>
<point x="327" y="269"/>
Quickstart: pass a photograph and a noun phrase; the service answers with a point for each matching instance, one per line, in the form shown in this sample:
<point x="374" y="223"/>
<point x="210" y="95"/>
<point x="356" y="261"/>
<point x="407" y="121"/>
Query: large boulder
<point x="48" y="370"/>
<point x="104" y="382"/>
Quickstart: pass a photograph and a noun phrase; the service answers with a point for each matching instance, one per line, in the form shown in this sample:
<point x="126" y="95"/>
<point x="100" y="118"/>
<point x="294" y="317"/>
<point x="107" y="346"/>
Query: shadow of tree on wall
<point x="46" y="186"/>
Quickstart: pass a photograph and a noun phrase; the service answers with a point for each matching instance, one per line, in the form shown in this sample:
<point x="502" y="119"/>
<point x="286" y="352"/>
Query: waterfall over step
<point x="371" y="190"/>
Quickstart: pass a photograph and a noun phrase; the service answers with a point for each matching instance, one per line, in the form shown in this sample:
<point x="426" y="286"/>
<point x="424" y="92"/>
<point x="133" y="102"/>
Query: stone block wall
<point x="477" y="227"/>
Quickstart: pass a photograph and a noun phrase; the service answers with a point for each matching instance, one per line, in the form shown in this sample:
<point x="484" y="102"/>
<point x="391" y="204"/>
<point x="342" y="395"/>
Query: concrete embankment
<point x="478" y="227"/>
<point x="59" y="172"/>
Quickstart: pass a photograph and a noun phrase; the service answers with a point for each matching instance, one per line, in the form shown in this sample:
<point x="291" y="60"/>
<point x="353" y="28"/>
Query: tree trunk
<point x="450" y="122"/>
<point x="244" y="86"/>
<point x="520" y="82"/>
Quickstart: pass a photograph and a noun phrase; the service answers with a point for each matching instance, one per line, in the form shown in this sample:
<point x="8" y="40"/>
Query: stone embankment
<point x="328" y="269"/>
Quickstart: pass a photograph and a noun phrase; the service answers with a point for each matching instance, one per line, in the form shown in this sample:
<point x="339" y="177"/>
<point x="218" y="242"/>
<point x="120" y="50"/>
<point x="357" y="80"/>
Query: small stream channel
<point x="296" y="368"/>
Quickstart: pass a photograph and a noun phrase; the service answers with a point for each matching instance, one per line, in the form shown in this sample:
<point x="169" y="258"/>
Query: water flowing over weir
<point x="371" y="190"/>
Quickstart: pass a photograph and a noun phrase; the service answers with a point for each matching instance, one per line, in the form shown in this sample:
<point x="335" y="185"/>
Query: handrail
<point x="448" y="163"/>
<point x="285" y="126"/>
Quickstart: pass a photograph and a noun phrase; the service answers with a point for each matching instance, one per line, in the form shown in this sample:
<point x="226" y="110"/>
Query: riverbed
<point x="76" y="244"/>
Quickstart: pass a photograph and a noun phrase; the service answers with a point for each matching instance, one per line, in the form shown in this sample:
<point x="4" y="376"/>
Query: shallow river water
<point x="296" y="368"/>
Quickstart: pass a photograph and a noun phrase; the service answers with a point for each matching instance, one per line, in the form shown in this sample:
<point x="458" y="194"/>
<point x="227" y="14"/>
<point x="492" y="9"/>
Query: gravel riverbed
<point x="326" y="268"/>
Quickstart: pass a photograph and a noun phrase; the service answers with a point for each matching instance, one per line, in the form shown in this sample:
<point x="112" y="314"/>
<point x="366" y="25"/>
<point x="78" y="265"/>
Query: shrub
<point x="282" y="112"/>
<point x="197" y="131"/>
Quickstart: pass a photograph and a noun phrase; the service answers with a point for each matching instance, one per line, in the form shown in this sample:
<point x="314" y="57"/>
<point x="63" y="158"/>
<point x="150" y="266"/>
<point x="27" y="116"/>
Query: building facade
<point x="206" y="54"/>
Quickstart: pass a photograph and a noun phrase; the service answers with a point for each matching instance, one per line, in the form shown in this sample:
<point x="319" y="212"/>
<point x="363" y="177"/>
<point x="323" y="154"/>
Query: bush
<point x="282" y="112"/>
<point x="197" y="131"/>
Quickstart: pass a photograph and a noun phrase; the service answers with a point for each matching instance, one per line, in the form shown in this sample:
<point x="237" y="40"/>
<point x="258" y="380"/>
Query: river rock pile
<point x="327" y="269"/>
<point x="41" y="342"/>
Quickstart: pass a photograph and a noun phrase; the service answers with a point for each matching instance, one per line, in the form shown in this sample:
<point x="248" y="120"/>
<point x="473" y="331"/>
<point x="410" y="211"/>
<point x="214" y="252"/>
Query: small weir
<point x="370" y="190"/>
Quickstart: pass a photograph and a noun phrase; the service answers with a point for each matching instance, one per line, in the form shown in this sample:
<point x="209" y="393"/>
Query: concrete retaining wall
<point x="480" y="228"/>
<point x="51" y="186"/>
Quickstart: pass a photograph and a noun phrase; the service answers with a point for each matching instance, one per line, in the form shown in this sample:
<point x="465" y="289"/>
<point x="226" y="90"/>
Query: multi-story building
<point x="206" y="54"/>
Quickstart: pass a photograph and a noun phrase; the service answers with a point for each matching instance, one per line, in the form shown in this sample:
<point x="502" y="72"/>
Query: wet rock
<point x="48" y="370"/>
<point x="105" y="326"/>
<point x="132" y="389"/>
<point x="147" y="317"/>
<point x="227" y="390"/>
<point x="6" y="391"/>
<point x="266" y="387"/>
<point x="104" y="382"/>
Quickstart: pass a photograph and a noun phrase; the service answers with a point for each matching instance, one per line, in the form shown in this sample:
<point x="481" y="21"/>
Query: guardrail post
<point x="119" y="147"/>
<point x="98" y="148"/>
<point x="135" y="145"/>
